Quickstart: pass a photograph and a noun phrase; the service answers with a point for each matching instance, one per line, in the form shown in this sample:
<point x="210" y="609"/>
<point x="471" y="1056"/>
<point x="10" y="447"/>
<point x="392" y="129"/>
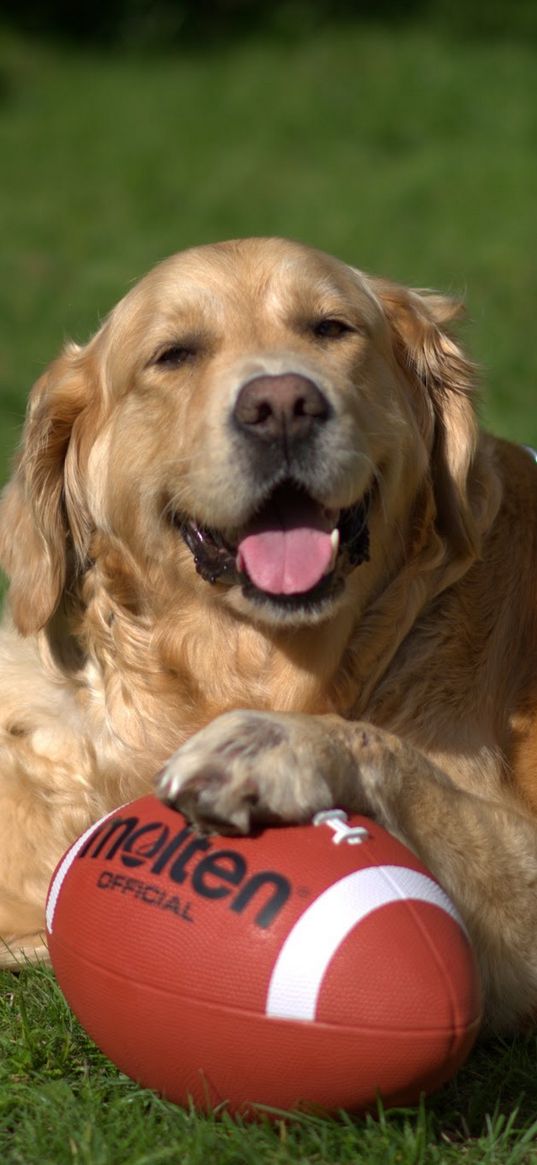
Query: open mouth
<point x="293" y="551"/>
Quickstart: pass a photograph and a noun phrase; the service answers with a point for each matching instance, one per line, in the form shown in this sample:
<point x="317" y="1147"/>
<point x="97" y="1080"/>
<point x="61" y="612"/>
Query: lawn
<point x="404" y="149"/>
<point x="61" y="1103"/>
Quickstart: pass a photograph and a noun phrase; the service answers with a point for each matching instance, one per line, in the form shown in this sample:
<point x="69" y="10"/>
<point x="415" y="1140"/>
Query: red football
<point x="317" y="964"/>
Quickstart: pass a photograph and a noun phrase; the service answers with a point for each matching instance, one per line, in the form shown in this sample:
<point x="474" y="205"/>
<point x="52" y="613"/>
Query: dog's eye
<point x="173" y="356"/>
<point x="331" y="329"/>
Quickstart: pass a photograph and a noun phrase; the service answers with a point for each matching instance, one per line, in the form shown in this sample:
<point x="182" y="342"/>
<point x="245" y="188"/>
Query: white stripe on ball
<point x="65" y="866"/>
<point x="310" y="946"/>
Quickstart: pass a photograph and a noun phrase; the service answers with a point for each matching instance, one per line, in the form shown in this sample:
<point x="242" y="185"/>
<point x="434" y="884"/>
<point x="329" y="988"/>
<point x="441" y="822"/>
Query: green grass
<point x="410" y="154"/>
<point x="404" y="150"/>
<point x="61" y="1102"/>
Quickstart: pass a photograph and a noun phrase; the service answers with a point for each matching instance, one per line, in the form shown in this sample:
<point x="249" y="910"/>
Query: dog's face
<point x="255" y="418"/>
<point x="259" y="417"/>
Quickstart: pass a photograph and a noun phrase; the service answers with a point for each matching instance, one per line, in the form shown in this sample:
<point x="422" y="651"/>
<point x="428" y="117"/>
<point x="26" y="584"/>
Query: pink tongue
<point x="288" y="549"/>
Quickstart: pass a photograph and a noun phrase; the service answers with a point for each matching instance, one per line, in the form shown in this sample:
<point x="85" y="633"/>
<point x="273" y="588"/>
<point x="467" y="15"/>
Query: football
<point x="316" y="966"/>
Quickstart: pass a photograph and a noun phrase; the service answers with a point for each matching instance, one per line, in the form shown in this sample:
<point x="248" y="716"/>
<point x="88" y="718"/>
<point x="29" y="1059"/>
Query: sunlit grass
<point x="62" y="1102"/>
<point x="410" y="155"/>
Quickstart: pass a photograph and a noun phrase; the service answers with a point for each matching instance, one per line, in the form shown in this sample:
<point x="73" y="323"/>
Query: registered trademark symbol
<point x="303" y="891"/>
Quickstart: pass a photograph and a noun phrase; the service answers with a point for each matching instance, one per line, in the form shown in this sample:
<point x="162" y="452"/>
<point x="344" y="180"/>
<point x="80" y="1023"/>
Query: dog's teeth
<point x="334" y="538"/>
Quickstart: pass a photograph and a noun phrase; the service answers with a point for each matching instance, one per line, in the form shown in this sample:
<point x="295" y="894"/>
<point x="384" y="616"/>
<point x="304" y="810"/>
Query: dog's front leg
<point x="249" y="768"/>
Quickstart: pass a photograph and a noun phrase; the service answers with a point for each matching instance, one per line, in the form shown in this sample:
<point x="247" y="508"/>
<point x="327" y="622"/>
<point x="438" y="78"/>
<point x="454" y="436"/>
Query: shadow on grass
<point x="499" y="1082"/>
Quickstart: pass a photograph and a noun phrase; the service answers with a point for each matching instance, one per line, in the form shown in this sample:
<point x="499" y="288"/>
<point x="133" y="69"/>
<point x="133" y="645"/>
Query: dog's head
<point x="254" y="420"/>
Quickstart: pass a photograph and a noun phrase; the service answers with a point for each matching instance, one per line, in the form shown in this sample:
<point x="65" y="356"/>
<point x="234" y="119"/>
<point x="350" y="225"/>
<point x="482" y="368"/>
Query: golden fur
<point x="411" y="694"/>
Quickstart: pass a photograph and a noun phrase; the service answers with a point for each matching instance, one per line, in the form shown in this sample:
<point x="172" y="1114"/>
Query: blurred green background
<point x="401" y="137"/>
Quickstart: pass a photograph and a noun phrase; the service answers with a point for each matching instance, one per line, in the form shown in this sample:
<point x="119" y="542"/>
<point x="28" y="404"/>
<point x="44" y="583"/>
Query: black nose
<point x="277" y="407"/>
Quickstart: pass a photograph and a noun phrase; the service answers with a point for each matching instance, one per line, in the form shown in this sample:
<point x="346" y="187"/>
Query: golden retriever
<point x="254" y="520"/>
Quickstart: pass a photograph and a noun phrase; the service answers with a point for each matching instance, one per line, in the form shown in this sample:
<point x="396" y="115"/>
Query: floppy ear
<point x="444" y="383"/>
<point x="39" y="546"/>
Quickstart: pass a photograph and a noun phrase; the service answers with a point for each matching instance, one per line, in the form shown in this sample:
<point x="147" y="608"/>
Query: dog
<point x="257" y="542"/>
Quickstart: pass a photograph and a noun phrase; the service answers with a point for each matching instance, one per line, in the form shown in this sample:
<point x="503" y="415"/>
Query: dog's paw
<point x="247" y="769"/>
